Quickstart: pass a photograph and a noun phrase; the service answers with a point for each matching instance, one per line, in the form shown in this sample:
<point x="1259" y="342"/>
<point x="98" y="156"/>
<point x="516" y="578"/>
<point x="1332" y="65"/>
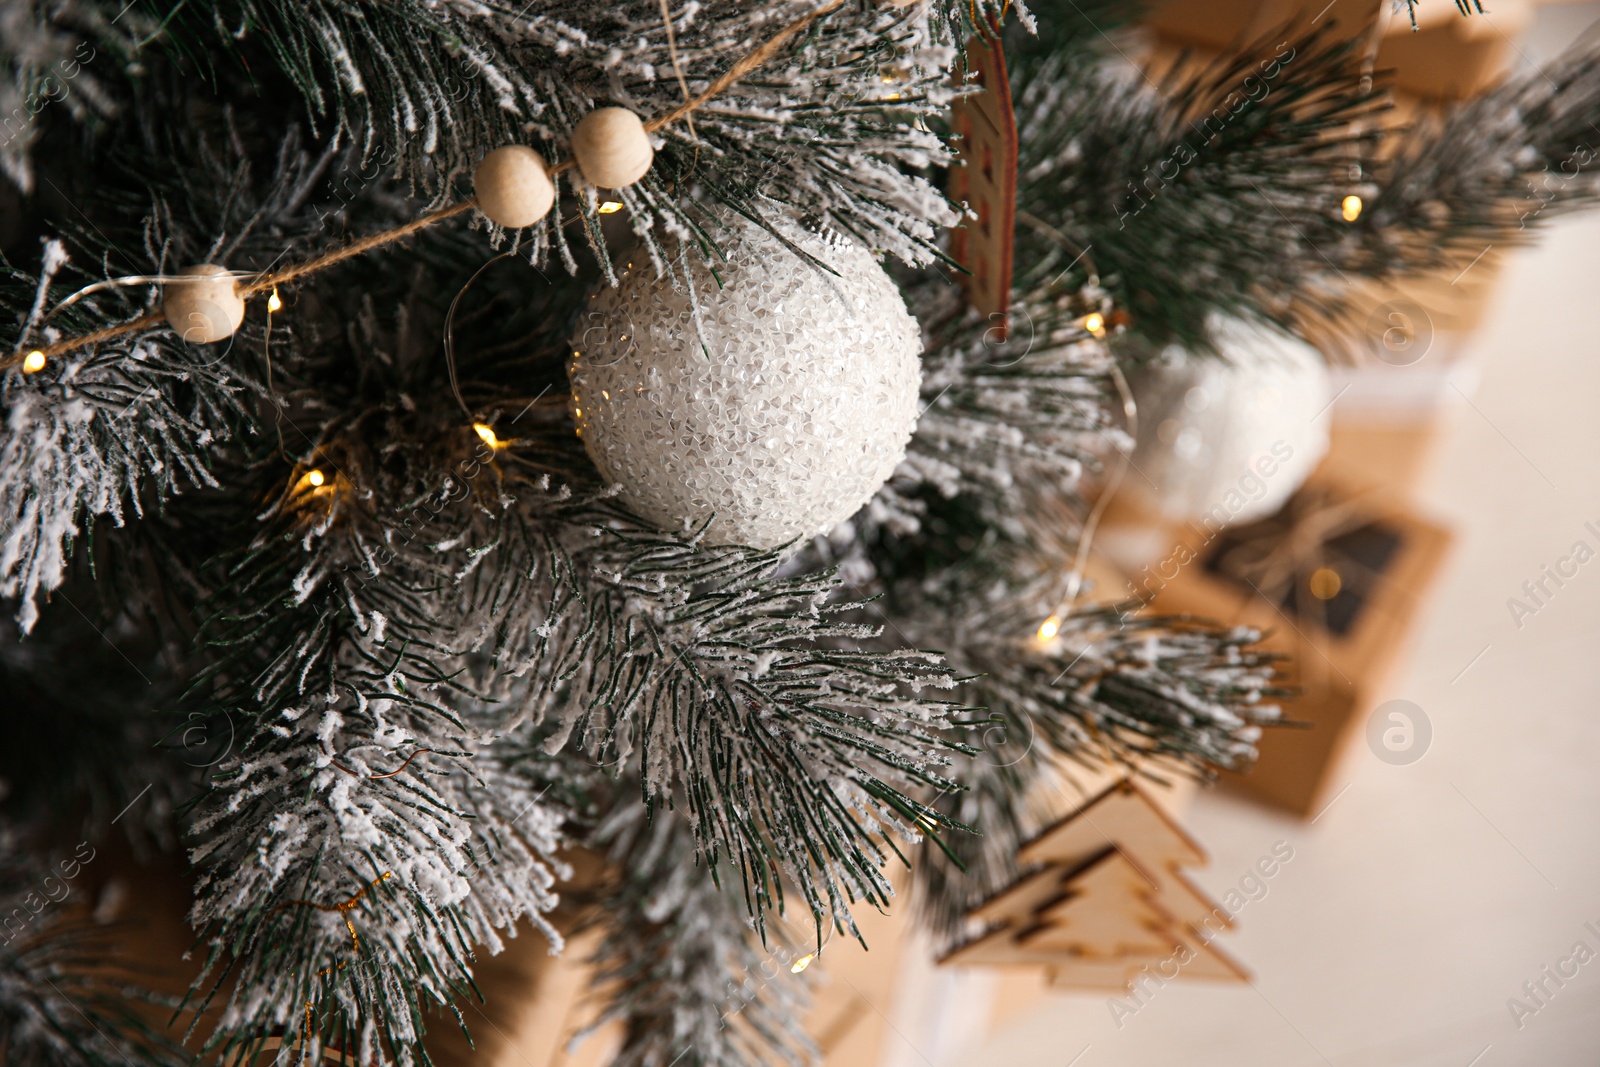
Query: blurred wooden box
<point x="1448" y="57"/>
<point x="1336" y="668"/>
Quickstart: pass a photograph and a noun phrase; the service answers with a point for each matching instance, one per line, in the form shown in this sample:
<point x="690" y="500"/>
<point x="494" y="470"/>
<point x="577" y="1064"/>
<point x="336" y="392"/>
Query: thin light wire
<point x="450" y="318"/>
<point x="450" y="332"/>
<point x="1080" y="563"/>
<point x="127" y="279"/>
<point x="272" y="392"/>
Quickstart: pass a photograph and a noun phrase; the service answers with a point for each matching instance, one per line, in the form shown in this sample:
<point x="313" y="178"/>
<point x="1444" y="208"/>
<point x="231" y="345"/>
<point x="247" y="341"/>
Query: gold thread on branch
<point x="343" y="905"/>
<point x="343" y="909"/>
<point x="409" y="758"/>
<point x="263" y="282"/>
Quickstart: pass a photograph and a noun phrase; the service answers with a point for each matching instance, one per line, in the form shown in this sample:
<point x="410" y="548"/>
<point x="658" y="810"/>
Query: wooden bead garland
<point x="642" y="150"/>
<point x="513" y="186"/>
<point x="205" y="305"/>
<point x="612" y="148"/>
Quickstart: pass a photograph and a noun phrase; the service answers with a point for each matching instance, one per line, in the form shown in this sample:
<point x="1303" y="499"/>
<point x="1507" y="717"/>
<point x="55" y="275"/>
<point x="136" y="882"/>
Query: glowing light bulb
<point x="487" y="435"/>
<point x="316" y="479"/>
<point x="1049" y="628"/>
<point x="274" y="302"/>
<point x="610" y="207"/>
<point x="1350" y="208"/>
<point x="802" y="963"/>
<point x="33" y="362"/>
<point x="1325" y="583"/>
<point x="1095" y="323"/>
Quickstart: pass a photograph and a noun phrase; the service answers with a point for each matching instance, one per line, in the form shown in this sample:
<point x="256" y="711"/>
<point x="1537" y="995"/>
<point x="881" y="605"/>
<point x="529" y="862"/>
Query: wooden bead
<point x="206" y="308"/>
<point x="513" y="186"/>
<point x="611" y="147"/>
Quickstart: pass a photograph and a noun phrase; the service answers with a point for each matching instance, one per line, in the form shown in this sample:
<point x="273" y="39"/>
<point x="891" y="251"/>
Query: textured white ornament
<point x="1228" y="439"/>
<point x="798" y="408"/>
<point x="513" y="187"/>
<point x="611" y="148"/>
<point x="205" y="305"/>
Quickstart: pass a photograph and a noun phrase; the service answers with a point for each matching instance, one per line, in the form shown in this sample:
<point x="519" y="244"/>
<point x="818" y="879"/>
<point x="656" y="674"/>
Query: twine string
<point x="677" y="62"/>
<point x="744" y="66"/>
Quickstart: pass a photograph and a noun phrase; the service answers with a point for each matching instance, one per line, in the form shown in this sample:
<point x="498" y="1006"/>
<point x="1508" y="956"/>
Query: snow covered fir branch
<point x="360" y="536"/>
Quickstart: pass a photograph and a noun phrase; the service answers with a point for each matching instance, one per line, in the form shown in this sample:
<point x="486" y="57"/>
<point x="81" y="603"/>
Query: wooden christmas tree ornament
<point x="513" y="186"/>
<point x="1106" y="910"/>
<point x="204" y="305"/>
<point x="1106" y="903"/>
<point x="612" y="148"/>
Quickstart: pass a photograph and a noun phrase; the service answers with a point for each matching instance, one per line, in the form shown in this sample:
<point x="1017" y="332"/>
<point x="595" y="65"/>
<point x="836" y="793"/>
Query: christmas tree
<point x="446" y="439"/>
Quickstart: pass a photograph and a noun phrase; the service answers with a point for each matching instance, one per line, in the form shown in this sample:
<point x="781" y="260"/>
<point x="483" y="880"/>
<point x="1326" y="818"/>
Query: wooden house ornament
<point x="985" y="178"/>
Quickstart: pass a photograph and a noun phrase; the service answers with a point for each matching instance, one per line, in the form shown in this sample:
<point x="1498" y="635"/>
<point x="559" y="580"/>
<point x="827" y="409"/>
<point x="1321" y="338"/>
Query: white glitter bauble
<point x="1228" y="438"/>
<point x="788" y="420"/>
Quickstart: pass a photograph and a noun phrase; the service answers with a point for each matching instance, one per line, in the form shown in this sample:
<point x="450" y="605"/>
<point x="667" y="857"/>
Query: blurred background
<point x="1421" y="895"/>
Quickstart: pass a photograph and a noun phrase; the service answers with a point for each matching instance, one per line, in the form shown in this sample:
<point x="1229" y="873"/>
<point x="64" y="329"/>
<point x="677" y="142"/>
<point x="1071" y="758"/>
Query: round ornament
<point x="788" y="419"/>
<point x="205" y="305"/>
<point x="513" y="187"/>
<point x="1228" y="437"/>
<point x="611" y="147"/>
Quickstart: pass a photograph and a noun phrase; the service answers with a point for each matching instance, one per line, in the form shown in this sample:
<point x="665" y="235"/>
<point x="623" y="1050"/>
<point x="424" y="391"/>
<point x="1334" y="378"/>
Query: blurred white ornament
<point x="798" y="408"/>
<point x="1228" y="438"/>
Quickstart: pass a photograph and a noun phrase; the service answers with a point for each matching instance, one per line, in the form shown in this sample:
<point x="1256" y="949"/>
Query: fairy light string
<point x="263" y="282"/>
